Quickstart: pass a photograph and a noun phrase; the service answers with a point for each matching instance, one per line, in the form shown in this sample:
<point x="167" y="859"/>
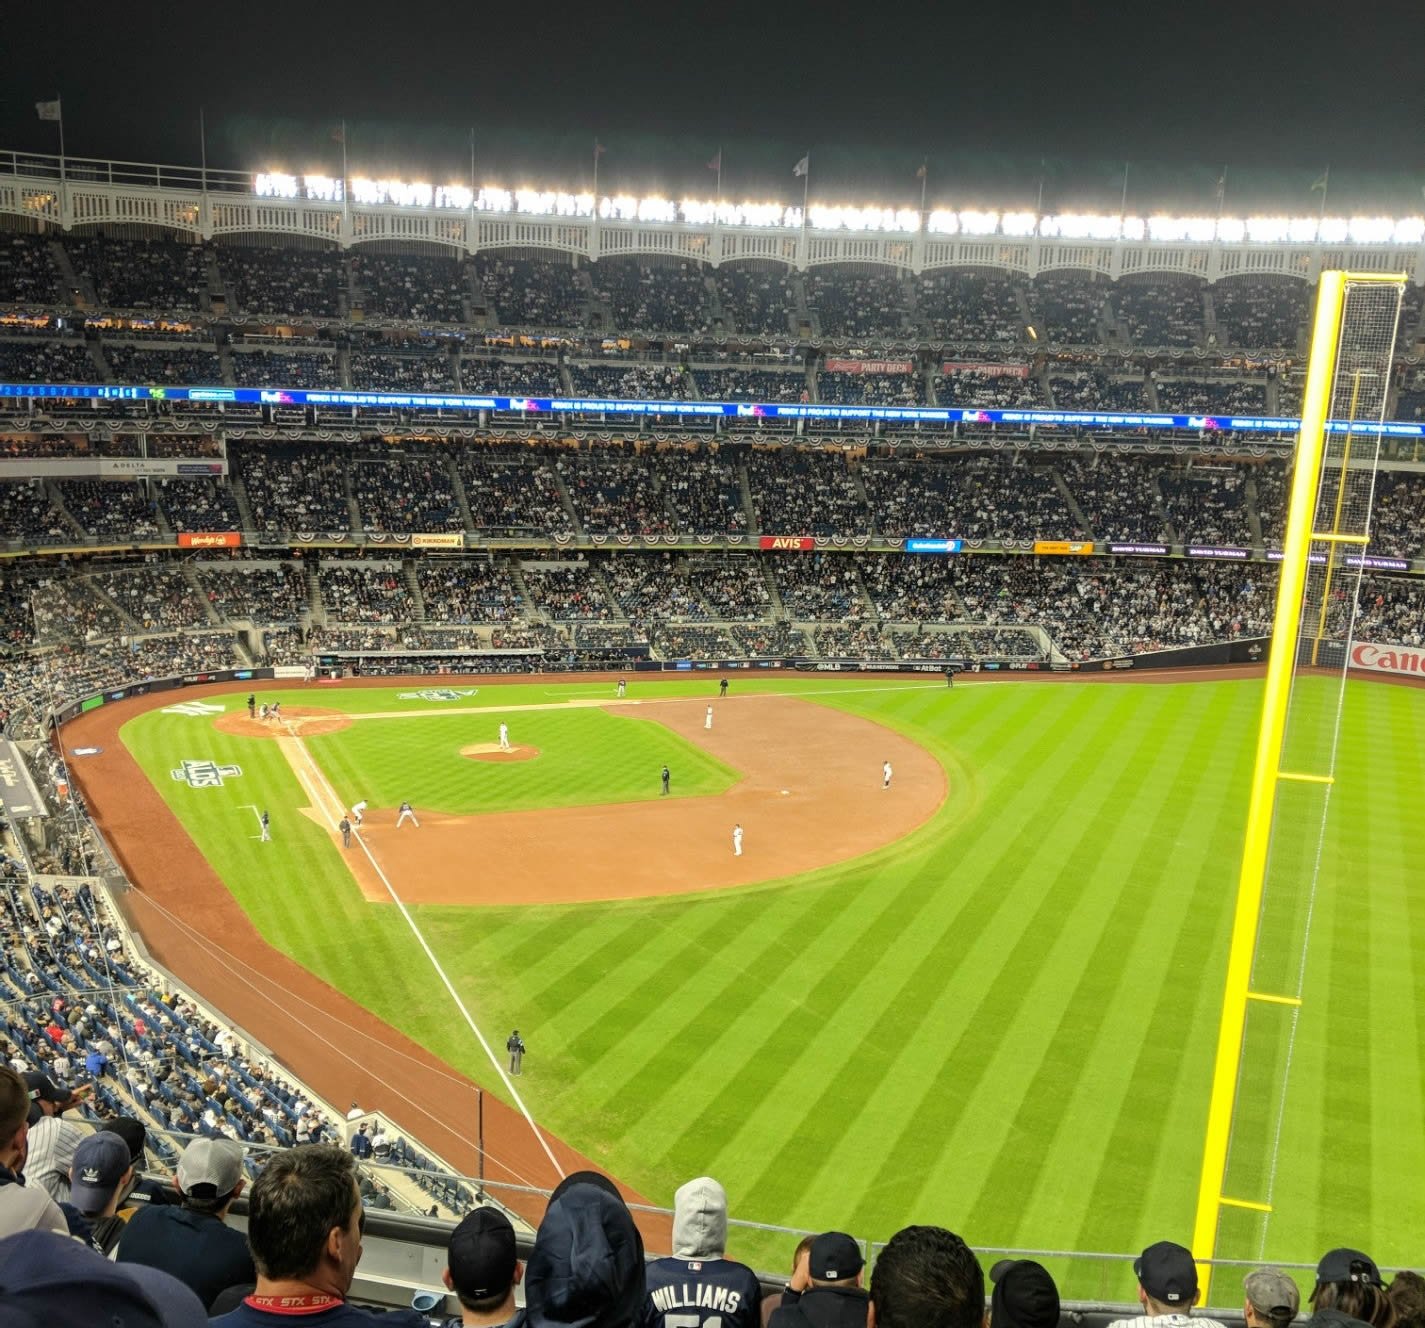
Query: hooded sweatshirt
<point x="586" y="1269"/>
<point x="697" y="1280"/>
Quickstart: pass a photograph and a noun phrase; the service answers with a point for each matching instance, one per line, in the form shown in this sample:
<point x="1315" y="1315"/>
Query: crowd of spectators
<point x="364" y="593"/>
<point x="256" y="593"/>
<point x="284" y="281"/>
<point x="155" y="275"/>
<point x="464" y="591"/>
<point x="425" y="371"/>
<point x="965" y="307"/>
<point x="681" y="641"/>
<point x="614" y="493"/>
<point x="156" y="596"/>
<point x="114" y="509"/>
<point x="870" y="389"/>
<point x="1160" y="311"/>
<point x="653" y="297"/>
<point x="805" y="493"/>
<point x="817" y="585"/>
<point x="1391" y="609"/>
<point x="1260" y="312"/>
<point x="747" y="384"/>
<point x="979" y="496"/>
<point x="566" y="591"/>
<point x="982" y="388"/>
<point x="69" y="608"/>
<point x="45" y="360"/>
<point x="849" y="641"/>
<point x="1398" y="515"/>
<point x="509" y="377"/>
<point x="27" y="271"/>
<point x="198" y="504"/>
<point x="857" y="301"/>
<point x="27" y="514"/>
<point x="510" y="490"/>
<point x="531" y="292"/>
<point x="163" y="364"/>
<point x="422" y="288"/>
<point x="635" y="382"/>
<point x="757" y="299"/>
<point x="294" y="488"/>
<point x="769" y="640"/>
<point x="1216" y="396"/>
<point x="1067" y="306"/>
<point x="906" y="588"/>
<point x="270" y="368"/>
<point x="410" y="491"/>
<point x="1093" y="389"/>
<point x="1118" y="496"/>
<point x="1207" y="505"/>
<point x="705" y="493"/>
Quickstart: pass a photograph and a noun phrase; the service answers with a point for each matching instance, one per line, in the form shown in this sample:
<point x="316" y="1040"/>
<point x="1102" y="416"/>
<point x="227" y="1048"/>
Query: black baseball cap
<point x="481" y="1254"/>
<point x="44" y="1089"/>
<point x="1345" y="1265"/>
<point x="835" y="1257"/>
<point x="131" y="1132"/>
<point x="1168" y="1273"/>
<point x="1024" y="1296"/>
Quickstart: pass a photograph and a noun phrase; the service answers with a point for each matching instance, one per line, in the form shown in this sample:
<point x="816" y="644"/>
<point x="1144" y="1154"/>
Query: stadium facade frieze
<point x="213" y="204"/>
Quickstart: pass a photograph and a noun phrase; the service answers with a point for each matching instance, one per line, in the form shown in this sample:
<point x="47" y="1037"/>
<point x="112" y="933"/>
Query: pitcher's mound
<point x="304" y="721"/>
<point x="490" y="751"/>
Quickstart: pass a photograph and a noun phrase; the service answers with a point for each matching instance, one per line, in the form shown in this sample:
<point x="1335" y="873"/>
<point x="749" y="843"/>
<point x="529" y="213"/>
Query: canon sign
<point x="1387" y="659"/>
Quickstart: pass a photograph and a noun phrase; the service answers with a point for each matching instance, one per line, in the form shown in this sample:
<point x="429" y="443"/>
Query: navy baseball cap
<point x="99" y="1165"/>
<point x="481" y="1254"/>
<point x="1168" y="1273"/>
<point x="835" y="1257"/>
<point x="1024" y="1296"/>
<point x="52" y="1281"/>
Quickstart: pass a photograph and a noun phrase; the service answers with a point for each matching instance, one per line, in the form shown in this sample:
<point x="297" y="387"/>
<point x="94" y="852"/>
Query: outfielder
<point x="707" y="722"/>
<point x="622" y="688"/>
<point x="358" y="810"/>
<point x="504" y="737"/>
<point x="737" y="841"/>
<point x="406" y="814"/>
<point x="885" y="774"/>
<point x="266" y="833"/>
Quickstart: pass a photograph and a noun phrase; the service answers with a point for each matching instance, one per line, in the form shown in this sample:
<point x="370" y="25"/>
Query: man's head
<point x="47" y="1098"/>
<point x="835" y="1260"/>
<point x="1272" y="1298"/>
<point x="209" y="1174"/>
<point x="700" y="1220"/>
<point x="1407" y="1297"/>
<point x="14" y="1118"/>
<point x="100" y="1171"/>
<point x="1167" y="1278"/>
<point x="1024" y="1296"/>
<point x="927" y="1277"/>
<point x="304" y="1218"/>
<point x="132" y="1133"/>
<point x="482" y="1267"/>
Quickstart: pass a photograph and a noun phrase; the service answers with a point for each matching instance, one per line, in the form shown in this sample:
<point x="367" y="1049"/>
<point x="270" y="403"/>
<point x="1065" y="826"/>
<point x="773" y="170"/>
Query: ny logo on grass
<point x="205" y="774"/>
<point x="194" y="709"/>
<point x="437" y="694"/>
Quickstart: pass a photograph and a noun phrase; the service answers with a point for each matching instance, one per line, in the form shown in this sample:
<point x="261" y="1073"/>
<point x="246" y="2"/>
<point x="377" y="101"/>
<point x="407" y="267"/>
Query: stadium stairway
<point x="73" y="292"/>
<point x="317" y="608"/>
<point x="343" y="365"/>
<point x="225" y="362"/>
<point x="744" y="489"/>
<point x="55" y="501"/>
<point x="96" y="356"/>
<point x="413" y="589"/>
<point x="1254" y="517"/>
<point x="239" y="491"/>
<point x="1070" y="501"/>
<point x="1209" y="318"/>
<point x="800" y="314"/>
<point x="1021" y="302"/>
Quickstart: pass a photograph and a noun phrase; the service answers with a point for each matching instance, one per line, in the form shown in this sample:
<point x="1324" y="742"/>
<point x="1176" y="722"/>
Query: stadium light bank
<point x="830" y="217"/>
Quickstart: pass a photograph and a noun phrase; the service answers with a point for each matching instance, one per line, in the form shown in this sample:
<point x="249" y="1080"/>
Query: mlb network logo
<point x="193" y="709"/>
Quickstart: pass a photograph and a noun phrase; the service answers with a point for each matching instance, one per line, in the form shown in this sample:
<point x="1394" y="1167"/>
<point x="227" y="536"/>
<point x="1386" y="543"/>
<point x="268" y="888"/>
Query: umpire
<point x="515" y="1046"/>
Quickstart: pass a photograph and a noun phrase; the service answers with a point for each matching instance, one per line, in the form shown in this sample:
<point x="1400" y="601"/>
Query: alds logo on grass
<point x="437" y="694"/>
<point x="194" y="709"/>
<point x="204" y="774"/>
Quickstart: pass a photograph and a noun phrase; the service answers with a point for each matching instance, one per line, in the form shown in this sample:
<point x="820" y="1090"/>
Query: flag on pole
<point x="803" y="166"/>
<point x="339" y="133"/>
<point x="923" y="171"/>
<point x="48" y="110"/>
<point x="716" y="163"/>
<point x="1321" y="181"/>
<point x="599" y="149"/>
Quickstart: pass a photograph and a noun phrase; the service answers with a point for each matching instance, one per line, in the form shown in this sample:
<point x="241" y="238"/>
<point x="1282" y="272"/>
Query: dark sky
<point x="984" y="90"/>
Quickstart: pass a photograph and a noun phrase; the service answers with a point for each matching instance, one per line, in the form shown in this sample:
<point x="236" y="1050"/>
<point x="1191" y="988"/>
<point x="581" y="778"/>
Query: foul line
<point x="321" y="779"/>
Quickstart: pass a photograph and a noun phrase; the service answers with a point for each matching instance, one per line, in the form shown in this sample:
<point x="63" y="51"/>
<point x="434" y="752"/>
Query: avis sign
<point x="1387" y="659"/>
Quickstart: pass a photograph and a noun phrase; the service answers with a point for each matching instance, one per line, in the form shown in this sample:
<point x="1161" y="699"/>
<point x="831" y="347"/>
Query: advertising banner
<point x="870" y="366"/>
<point x="448" y="539"/>
<point x="1214" y="551"/>
<point x="1159" y="550"/>
<point x="794" y="543"/>
<point x="988" y="370"/>
<point x="209" y="539"/>
<point x="1079" y="548"/>
<point x="933" y="545"/>
<point x="1388" y="659"/>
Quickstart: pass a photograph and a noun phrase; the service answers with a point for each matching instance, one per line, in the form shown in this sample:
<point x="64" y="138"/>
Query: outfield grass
<point x="1005" y="1023"/>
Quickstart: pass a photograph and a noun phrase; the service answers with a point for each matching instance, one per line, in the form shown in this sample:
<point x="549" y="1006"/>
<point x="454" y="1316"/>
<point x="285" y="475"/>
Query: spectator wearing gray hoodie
<point x="698" y="1283"/>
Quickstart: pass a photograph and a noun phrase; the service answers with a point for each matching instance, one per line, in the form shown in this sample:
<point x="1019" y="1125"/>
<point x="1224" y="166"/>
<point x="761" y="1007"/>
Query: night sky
<point x="986" y="92"/>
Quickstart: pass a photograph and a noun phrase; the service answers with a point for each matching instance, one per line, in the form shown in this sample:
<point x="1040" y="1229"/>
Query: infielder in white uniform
<point x="737" y="841"/>
<point x="406" y="814"/>
<point x="358" y="810"/>
<point x="504" y="737"/>
<point x="622" y="688"/>
<point x="886" y="775"/>
<point x="707" y="722"/>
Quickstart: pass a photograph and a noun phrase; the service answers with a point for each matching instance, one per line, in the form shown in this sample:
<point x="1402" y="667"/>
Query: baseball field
<point x="986" y="996"/>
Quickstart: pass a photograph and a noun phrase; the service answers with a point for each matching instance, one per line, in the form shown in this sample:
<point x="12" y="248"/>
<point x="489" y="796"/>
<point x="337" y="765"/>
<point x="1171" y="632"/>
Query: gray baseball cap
<point x="1271" y="1291"/>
